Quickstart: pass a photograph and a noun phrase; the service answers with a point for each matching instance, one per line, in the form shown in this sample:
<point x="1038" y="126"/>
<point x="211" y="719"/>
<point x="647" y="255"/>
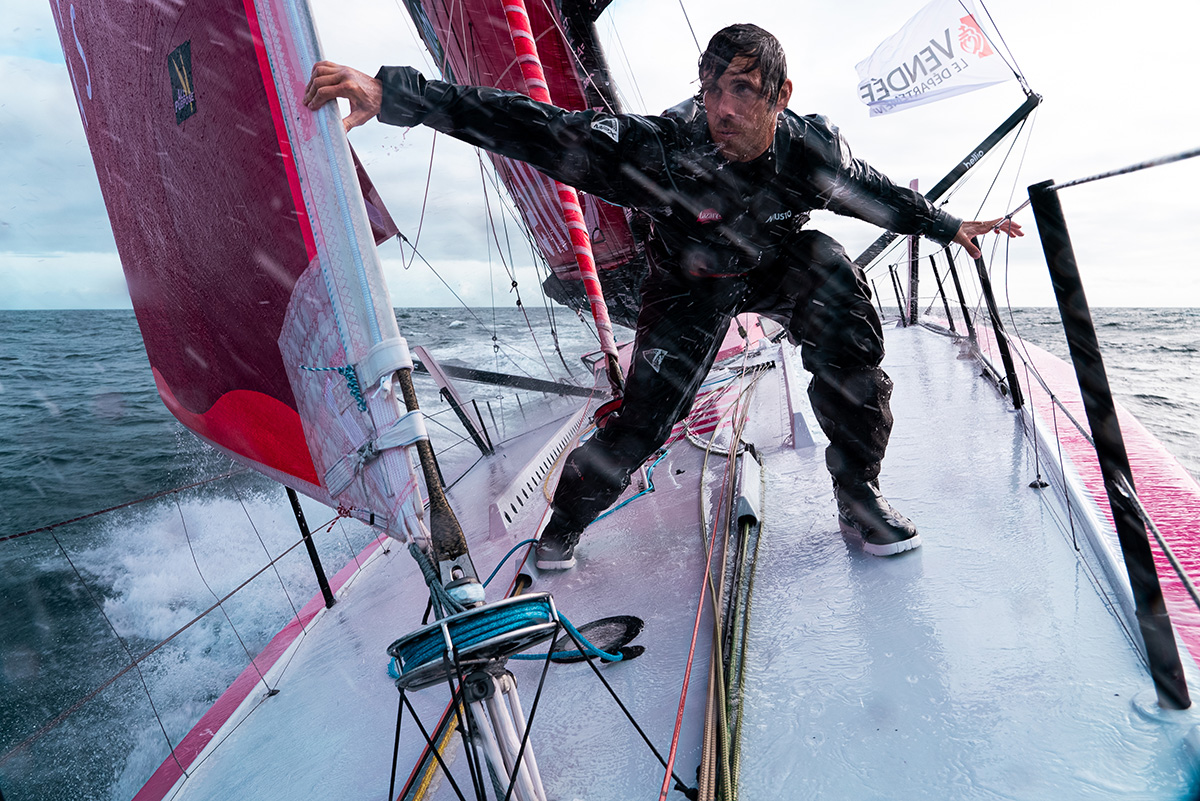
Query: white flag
<point x="939" y="53"/>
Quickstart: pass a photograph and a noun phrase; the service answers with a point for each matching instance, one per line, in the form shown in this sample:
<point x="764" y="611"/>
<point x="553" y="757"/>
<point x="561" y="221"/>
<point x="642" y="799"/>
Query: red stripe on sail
<point x="568" y="199"/>
<point x="252" y="424"/>
<point x="281" y="135"/>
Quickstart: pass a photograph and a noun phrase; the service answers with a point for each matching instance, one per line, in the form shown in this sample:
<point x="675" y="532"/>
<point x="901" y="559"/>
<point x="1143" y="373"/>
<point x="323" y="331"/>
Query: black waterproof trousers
<point x="680" y="327"/>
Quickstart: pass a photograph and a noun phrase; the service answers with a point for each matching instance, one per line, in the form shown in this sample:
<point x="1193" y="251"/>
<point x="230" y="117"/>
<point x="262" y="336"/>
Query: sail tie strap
<point x="383" y="360"/>
<point x="407" y="430"/>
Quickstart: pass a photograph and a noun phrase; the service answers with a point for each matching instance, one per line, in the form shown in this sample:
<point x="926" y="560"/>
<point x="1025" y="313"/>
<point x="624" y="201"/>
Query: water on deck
<point x="993" y="662"/>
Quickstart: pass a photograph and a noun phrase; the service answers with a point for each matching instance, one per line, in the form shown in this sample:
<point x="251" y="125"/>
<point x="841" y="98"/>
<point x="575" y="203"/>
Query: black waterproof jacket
<point x="710" y="217"/>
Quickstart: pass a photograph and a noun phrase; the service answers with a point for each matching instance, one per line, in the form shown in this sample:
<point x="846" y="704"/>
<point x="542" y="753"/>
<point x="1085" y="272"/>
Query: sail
<point x="246" y="244"/>
<point x="470" y="50"/>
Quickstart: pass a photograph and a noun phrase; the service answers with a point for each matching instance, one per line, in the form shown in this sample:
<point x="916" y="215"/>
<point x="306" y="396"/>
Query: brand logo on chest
<point x="779" y="216"/>
<point x="709" y="216"/>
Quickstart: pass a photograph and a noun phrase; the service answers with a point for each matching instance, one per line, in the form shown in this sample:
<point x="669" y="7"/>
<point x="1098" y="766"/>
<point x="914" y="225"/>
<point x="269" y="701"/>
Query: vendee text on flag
<point x="939" y="53"/>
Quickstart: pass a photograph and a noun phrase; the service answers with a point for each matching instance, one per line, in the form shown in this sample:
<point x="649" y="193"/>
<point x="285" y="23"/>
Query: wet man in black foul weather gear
<point x="727" y="181"/>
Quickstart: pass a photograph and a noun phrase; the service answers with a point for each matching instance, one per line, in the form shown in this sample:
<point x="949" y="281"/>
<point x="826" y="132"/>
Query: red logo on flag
<point x="971" y="38"/>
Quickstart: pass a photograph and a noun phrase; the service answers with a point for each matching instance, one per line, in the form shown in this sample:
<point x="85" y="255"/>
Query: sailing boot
<point x="865" y="514"/>
<point x="555" y="549"/>
<point x="593" y="476"/>
<point x="854" y="409"/>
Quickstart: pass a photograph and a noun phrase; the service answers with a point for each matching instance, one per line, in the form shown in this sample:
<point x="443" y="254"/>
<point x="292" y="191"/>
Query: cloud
<point x="1104" y="108"/>
<point x="27" y="29"/>
<point x="77" y="280"/>
<point x="51" y="198"/>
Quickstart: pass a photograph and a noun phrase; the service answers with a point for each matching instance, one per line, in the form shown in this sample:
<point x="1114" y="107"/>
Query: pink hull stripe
<point x="168" y="773"/>
<point x="1168" y="492"/>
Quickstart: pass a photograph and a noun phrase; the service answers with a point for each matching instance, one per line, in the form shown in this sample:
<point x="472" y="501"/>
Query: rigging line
<point x="350" y="548"/>
<point x="127" y="504"/>
<point x="422" y="47"/>
<point x="424" y="204"/>
<point x="200" y="573"/>
<point x="717" y="678"/>
<point x="1004" y="161"/>
<point x="512" y="277"/>
<point x="136" y="661"/>
<point x="991" y="188"/>
<point x="679" y="785"/>
<point x="288" y="595"/>
<point x="722" y="686"/>
<point x="688" y="20"/>
<point x="507" y="347"/>
<point x="1031" y="368"/>
<point x="709" y="544"/>
<point x="637" y="85"/>
<point x="133" y="665"/>
<point x="1062" y="468"/>
<point x="432" y="748"/>
<point x="1014" y="67"/>
<point x="519" y="759"/>
<point x="1131" y="494"/>
<point x="1143" y="165"/>
<point x="443" y="280"/>
<point x="574" y="56"/>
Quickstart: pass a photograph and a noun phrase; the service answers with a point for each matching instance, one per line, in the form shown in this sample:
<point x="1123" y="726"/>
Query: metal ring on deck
<point x="476" y="636"/>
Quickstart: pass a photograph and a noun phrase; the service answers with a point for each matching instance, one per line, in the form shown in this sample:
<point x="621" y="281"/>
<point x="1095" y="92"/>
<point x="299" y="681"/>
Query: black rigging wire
<point x="1016" y="70"/>
<point x="688" y="20"/>
<point x="511" y="276"/>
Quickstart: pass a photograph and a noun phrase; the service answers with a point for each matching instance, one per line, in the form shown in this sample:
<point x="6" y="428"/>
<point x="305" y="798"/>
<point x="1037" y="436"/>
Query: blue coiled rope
<point x="482" y="627"/>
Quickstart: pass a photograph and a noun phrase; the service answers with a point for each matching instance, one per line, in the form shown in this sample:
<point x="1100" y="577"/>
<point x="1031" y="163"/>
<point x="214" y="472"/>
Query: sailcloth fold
<point x="939" y="53"/>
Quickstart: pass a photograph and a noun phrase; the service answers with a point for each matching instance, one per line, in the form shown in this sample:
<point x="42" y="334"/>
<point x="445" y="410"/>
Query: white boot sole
<point x="890" y="549"/>
<point x="559" y="564"/>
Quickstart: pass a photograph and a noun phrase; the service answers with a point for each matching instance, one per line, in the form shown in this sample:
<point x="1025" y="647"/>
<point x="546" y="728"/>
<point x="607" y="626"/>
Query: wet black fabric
<point x="721" y="238"/>
<point x="708" y="215"/>
<point x="680" y="330"/>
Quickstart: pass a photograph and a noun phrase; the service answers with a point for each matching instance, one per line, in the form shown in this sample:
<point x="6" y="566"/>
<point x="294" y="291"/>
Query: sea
<point x="99" y="667"/>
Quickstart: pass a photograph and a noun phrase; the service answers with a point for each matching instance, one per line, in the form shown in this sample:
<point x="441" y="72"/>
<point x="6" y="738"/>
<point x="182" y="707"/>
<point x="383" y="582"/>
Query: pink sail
<point x="247" y="231"/>
<point x="576" y="78"/>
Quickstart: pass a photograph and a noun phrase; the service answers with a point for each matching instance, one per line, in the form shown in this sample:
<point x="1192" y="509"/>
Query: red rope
<point x="687" y="673"/>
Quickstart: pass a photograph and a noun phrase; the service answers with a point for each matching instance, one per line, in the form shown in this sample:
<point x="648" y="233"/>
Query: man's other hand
<point x="330" y="81"/>
<point x="973" y="228"/>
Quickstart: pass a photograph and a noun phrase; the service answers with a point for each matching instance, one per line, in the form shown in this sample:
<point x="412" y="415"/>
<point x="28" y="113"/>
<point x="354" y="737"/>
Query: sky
<point x="1118" y="83"/>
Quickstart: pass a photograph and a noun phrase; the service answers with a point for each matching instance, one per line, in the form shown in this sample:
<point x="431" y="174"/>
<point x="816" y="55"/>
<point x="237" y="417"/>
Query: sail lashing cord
<point x="348" y="372"/>
<point x="535" y="82"/>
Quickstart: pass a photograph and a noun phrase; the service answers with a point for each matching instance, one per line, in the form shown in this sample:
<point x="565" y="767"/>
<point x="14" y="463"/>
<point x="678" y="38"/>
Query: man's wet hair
<point x="761" y="50"/>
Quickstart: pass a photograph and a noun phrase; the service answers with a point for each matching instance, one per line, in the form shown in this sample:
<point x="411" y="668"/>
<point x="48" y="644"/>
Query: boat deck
<point x="993" y="662"/>
<point x="990" y="663"/>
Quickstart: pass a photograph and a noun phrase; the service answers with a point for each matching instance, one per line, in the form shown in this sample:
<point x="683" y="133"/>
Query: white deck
<point x="987" y="664"/>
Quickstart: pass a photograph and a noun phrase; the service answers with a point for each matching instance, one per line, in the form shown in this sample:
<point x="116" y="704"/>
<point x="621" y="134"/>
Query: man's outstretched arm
<point x="620" y="158"/>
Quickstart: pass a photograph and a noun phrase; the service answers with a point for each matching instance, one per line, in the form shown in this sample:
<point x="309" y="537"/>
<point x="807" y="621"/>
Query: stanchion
<point x="1150" y="609"/>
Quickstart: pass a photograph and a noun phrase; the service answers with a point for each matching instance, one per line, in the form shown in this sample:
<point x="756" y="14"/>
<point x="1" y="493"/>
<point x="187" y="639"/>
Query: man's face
<point x="740" y="119"/>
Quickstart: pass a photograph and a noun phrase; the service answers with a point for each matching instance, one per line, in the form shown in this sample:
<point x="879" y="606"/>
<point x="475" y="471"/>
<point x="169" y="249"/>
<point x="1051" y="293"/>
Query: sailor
<point x="726" y="180"/>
